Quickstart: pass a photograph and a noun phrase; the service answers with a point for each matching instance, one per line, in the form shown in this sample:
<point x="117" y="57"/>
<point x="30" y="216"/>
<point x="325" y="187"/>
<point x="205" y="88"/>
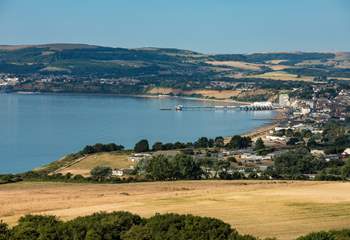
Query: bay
<point x="36" y="129"/>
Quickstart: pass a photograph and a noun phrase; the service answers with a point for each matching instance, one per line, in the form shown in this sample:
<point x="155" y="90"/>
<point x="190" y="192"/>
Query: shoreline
<point x="253" y="133"/>
<point x="264" y="129"/>
<point x="135" y="96"/>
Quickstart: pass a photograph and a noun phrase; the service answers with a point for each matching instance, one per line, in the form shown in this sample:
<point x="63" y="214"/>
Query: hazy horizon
<point x="155" y="47"/>
<point x="207" y="27"/>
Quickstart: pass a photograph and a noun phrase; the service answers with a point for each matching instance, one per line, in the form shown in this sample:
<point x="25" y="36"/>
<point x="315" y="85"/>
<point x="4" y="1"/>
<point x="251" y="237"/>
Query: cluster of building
<point x="321" y="107"/>
<point x="8" y="80"/>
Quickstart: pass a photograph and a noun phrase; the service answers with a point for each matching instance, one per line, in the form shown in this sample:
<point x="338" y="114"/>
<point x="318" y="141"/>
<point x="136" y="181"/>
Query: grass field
<point x="113" y="160"/>
<point x="267" y="209"/>
<point x="223" y="94"/>
<point x="283" y="76"/>
<point x="237" y="64"/>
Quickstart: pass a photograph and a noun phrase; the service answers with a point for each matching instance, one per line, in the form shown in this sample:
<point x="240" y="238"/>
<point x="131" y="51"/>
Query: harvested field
<point x="283" y="209"/>
<point x="113" y="160"/>
<point x="237" y="64"/>
<point x="223" y="94"/>
<point x="280" y="75"/>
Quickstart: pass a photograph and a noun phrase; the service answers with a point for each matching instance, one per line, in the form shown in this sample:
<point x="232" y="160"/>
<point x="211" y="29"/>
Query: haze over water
<point x="38" y="129"/>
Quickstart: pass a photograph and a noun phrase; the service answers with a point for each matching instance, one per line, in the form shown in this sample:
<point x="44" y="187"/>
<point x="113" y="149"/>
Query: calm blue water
<point x="37" y="129"/>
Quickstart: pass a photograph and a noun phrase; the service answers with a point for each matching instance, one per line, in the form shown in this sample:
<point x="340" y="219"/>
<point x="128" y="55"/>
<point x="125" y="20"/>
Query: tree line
<point x="236" y="142"/>
<point x="127" y="226"/>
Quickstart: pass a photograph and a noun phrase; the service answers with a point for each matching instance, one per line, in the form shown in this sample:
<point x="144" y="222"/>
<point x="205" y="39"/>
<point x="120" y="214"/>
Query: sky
<point x="207" y="26"/>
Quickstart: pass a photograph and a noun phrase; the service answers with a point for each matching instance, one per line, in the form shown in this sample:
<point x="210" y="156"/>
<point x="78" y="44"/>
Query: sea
<point x="36" y="129"/>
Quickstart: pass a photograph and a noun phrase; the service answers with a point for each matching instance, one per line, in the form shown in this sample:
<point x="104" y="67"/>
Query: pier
<point x="256" y="106"/>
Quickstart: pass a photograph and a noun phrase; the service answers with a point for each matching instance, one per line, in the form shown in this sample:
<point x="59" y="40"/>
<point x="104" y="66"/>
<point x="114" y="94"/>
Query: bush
<point x="318" y="236"/>
<point x="174" y="227"/>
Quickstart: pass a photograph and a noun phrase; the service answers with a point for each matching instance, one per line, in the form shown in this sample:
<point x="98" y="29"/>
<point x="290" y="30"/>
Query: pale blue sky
<point x="209" y="26"/>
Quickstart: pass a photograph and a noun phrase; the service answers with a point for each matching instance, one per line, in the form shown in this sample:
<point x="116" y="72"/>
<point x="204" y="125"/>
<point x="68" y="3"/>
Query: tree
<point x="219" y="142"/>
<point x="175" y="226"/>
<point x="4" y="231"/>
<point x="99" y="147"/>
<point x="345" y="170"/>
<point x="318" y="236"/>
<point x="185" y="167"/>
<point x="221" y="166"/>
<point x="141" y="146"/>
<point x="289" y="132"/>
<point x="292" y="141"/>
<point x="101" y="226"/>
<point x="295" y="162"/>
<point x="101" y="172"/>
<point x="37" y="227"/>
<point x="238" y="142"/>
<point x="158" y="146"/>
<point x="202" y="142"/>
<point x="159" y="168"/>
<point x="259" y="145"/>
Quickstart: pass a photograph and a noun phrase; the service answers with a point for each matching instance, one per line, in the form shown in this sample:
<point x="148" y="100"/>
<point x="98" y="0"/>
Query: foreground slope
<point x="266" y="209"/>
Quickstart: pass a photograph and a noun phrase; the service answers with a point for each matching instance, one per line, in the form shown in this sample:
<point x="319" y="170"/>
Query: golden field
<point x="282" y="209"/>
<point x="218" y="94"/>
<point x="282" y="76"/>
<point x="84" y="166"/>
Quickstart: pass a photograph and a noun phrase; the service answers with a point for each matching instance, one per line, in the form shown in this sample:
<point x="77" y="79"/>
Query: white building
<point x="117" y="172"/>
<point x="262" y="104"/>
<point x="283" y="100"/>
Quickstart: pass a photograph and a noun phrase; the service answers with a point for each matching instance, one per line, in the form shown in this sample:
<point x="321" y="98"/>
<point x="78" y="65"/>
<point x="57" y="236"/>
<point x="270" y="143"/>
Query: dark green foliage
<point x="296" y="162"/>
<point x="202" y="142"/>
<point x="259" y="144"/>
<point x="101" y="172"/>
<point x="219" y="142"/>
<point x="4" y="231"/>
<point x="107" y="226"/>
<point x="238" y="142"/>
<point x="324" y="176"/>
<point x="292" y="141"/>
<point x="231" y="176"/>
<point x="9" y="178"/>
<point x="181" y="227"/>
<point x="99" y="147"/>
<point x="159" y="168"/>
<point x="164" y="168"/>
<point x="37" y="227"/>
<point x="158" y="146"/>
<point x="345" y="170"/>
<point x="127" y="226"/>
<point x="141" y="146"/>
<point x="318" y="236"/>
<point x="121" y="226"/>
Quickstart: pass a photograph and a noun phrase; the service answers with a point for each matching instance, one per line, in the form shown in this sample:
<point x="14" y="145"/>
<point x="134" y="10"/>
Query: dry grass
<point x="276" y="61"/>
<point x="223" y="94"/>
<point x="113" y="160"/>
<point x="280" y="75"/>
<point x="269" y="208"/>
<point x="274" y="65"/>
<point x="237" y="64"/>
<point x="162" y="90"/>
<point x="279" y="67"/>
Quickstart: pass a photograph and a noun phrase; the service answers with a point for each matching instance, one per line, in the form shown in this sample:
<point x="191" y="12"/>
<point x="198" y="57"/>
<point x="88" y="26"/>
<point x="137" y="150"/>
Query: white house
<point x="117" y="172"/>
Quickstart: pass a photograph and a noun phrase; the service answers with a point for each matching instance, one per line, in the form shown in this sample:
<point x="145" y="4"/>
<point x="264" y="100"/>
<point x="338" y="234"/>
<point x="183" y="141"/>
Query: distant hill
<point x="176" y="68"/>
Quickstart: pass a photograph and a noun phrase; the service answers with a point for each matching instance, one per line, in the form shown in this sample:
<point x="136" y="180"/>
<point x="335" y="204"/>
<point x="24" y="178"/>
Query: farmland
<point x="282" y="209"/>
